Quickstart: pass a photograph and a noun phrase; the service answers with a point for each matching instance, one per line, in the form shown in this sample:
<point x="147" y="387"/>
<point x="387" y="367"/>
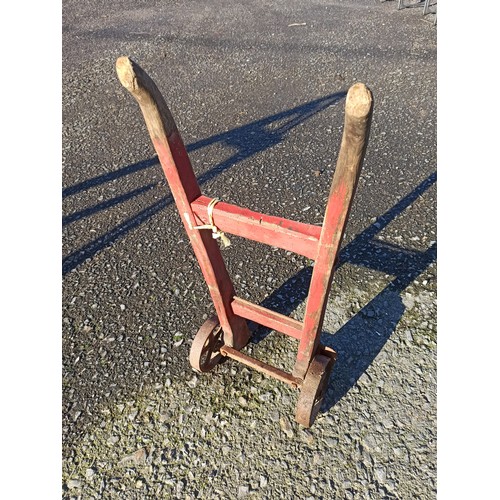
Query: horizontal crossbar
<point x="290" y="235"/>
<point x="266" y="317"/>
<point x="261" y="366"/>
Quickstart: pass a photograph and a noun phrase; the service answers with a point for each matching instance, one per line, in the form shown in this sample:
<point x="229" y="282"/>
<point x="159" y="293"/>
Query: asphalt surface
<point x="257" y="91"/>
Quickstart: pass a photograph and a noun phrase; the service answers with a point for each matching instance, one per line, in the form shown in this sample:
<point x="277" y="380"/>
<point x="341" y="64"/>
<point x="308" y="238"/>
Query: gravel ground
<point x="257" y="91"/>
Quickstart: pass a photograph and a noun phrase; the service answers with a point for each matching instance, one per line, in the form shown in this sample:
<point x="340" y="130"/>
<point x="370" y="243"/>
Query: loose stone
<point x="286" y="427"/>
<point x="74" y="483"/>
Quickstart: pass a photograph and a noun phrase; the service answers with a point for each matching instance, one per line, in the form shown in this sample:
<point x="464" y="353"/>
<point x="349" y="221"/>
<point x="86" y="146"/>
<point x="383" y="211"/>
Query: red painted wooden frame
<point x="318" y="243"/>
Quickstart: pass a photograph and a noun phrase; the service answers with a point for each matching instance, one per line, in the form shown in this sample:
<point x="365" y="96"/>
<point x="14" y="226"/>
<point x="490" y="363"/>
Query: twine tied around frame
<point x="216" y="232"/>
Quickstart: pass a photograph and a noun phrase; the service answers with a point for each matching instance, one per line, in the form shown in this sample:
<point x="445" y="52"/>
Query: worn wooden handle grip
<point x="357" y="121"/>
<point x="359" y="101"/>
<point x="157" y="116"/>
<point x="358" y="114"/>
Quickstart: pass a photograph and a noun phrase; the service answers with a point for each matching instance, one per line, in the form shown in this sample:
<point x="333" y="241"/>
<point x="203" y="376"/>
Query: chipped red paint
<point x="183" y="184"/>
<point x="331" y="236"/>
<point x="282" y="233"/>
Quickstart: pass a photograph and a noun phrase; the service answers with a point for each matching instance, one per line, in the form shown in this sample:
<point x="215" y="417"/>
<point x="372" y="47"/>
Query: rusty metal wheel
<point x="204" y="354"/>
<point x="313" y="389"/>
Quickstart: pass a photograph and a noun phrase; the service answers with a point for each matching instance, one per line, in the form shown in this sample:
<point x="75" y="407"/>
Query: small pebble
<point x="113" y="440"/>
<point x="275" y="416"/>
<point x="193" y="382"/>
<point x="286" y="427"/>
<point x="380" y="474"/>
<point x="243" y="491"/>
<point x="74" y="483"/>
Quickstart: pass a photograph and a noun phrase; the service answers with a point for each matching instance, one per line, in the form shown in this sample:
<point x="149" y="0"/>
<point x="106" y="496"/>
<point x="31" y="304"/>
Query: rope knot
<point x="216" y="232"/>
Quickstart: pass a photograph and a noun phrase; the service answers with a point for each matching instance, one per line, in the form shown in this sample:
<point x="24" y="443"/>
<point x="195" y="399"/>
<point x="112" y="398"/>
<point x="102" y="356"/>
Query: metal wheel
<point x="204" y="354"/>
<point x="313" y="389"/>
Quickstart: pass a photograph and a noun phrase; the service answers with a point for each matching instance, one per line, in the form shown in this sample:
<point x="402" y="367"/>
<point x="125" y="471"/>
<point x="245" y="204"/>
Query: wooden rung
<point x="290" y="235"/>
<point x="261" y="366"/>
<point x="266" y="317"/>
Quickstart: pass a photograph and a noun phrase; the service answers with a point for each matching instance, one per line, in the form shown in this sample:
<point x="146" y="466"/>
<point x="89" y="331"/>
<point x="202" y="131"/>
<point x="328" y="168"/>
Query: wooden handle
<point x="157" y="116"/>
<point x="358" y="114"/>
<point x="357" y="121"/>
<point x="162" y="130"/>
<point x="185" y="190"/>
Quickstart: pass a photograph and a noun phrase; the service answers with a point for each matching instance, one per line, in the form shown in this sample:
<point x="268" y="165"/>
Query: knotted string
<point x="216" y="232"/>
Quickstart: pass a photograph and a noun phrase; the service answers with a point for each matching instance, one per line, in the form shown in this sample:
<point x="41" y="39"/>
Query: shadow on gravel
<point x="249" y="140"/>
<point x="360" y="340"/>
